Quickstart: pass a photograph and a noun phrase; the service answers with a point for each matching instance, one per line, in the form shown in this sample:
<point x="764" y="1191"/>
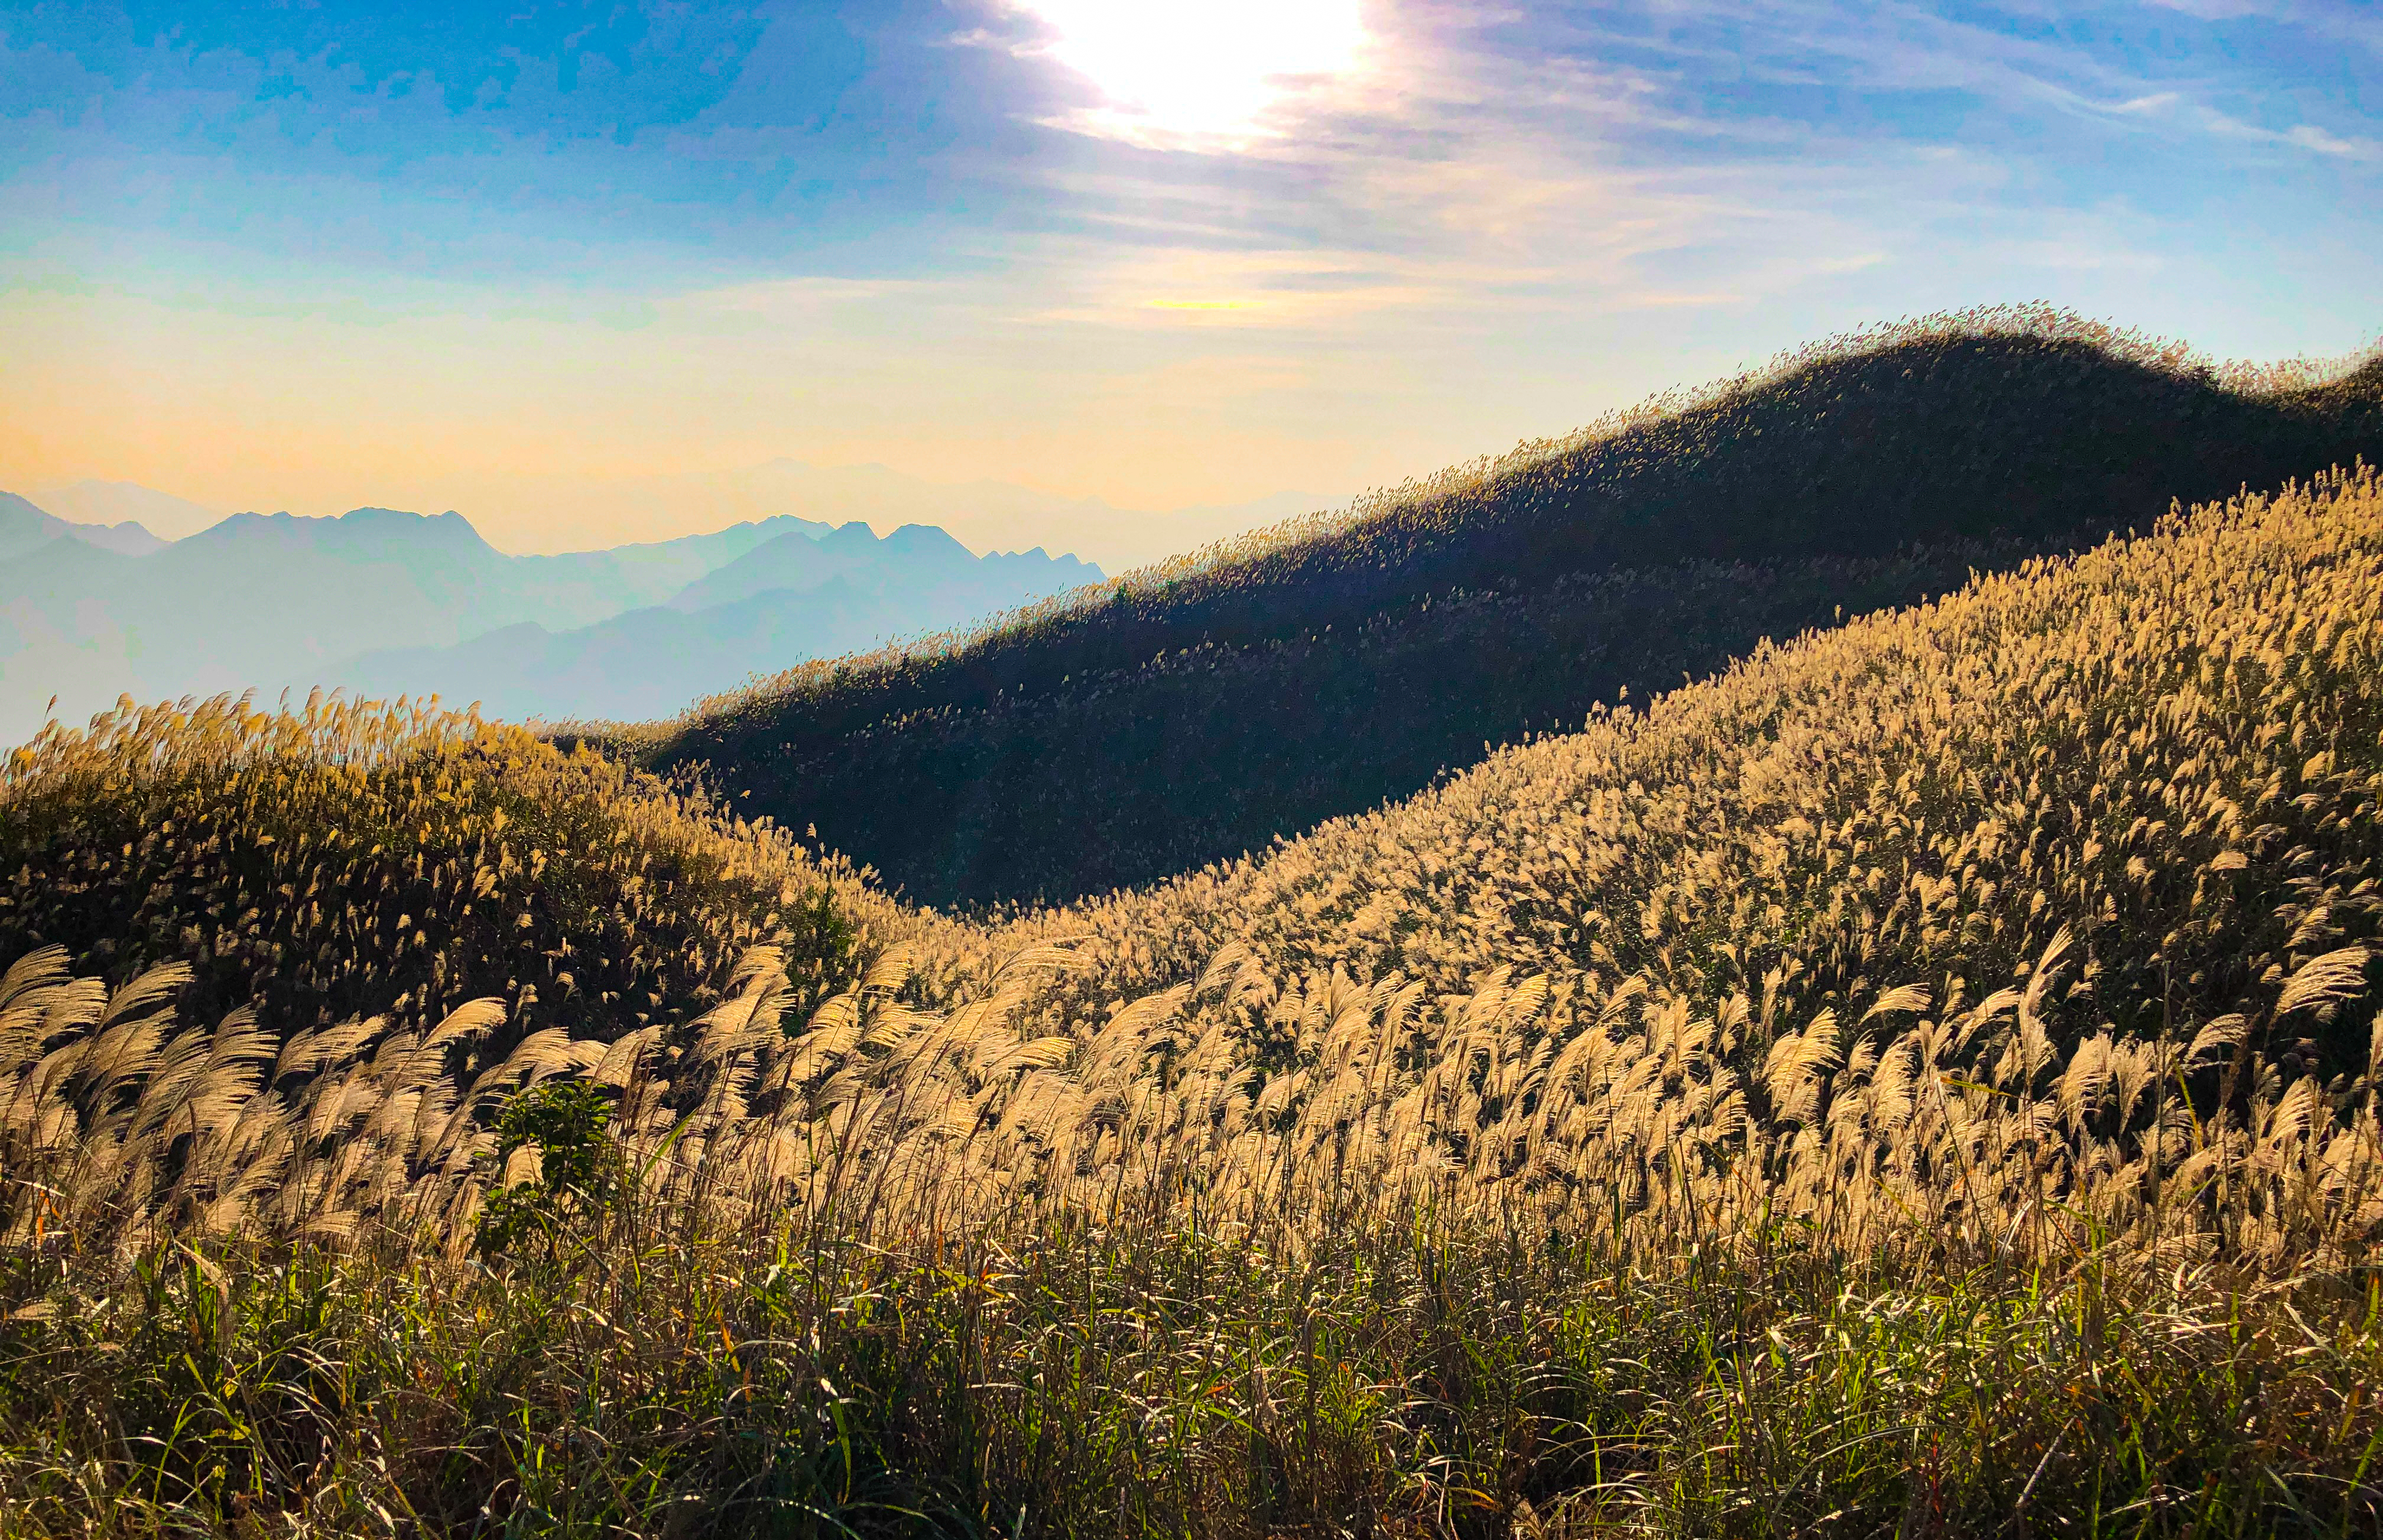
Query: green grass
<point x="1139" y="1377"/>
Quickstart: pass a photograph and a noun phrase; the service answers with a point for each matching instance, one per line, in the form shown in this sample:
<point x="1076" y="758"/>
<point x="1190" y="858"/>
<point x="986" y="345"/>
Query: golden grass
<point x="2034" y="916"/>
<point x="394" y="862"/>
<point x="2042" y="906"/>
<point x="1925" y="1075"/>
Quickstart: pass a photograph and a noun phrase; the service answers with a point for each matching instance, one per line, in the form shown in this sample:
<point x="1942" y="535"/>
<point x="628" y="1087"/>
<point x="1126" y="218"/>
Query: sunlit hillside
<point x="1197" y="709"/>
<point x="345" y="861"/>
<point x="1929" y="1068"/>
<point x="2047" y="824"/>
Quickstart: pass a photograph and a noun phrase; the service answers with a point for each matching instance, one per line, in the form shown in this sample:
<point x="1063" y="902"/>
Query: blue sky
<point x="515" y="259"/>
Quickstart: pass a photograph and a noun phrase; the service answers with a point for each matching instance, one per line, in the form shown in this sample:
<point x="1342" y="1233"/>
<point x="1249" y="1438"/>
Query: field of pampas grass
<point x="1196" y="709"/>
<point x="349" y="859"/>
<point x="1920" y="1081"/>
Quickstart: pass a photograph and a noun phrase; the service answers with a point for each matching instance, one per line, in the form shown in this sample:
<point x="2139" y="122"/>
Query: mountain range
<point x="160" y="515"/>
<point x="25" y="529"/>
<point x="982" y="515"/>
<point x="795" y="597"/>
<point x="523" y="511"/>
<point x="387" y="602"/>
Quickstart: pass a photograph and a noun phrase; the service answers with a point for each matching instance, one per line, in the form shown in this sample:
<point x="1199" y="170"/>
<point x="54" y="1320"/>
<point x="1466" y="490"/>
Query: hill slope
<point x="1928" y="1070"/>
<point x="1341" y="662"/>
<point x="2097" y="812"/>
<point x="2101" y="825"/>
<point x="341" y="862"/>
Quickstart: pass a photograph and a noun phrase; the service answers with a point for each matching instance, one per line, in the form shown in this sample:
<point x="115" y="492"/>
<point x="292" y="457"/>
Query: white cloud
<point x="2308" y="136"/>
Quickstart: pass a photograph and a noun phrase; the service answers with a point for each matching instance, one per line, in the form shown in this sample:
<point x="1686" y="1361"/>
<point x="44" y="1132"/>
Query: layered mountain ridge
<point x="388" y="602"/>
<point x="789" y="598"/>
<point x="25" y="529"/>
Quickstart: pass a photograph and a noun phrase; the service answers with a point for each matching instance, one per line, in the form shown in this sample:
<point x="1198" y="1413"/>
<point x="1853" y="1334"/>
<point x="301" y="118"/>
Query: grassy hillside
<point x="2156" y="765"/>
<point x="1346" y="660"/>
<point x="1212" y="749"/>
<point x="344" y="861"/>
<point x="1921" y="1081"/>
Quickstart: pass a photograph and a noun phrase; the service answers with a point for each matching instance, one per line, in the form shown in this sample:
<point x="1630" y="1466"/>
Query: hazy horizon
<point x="1161" y="256"/>
<point x="985" y="516"/>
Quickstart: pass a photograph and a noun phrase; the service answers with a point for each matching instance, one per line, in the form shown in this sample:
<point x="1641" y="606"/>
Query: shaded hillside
<point x="1090" y="762"/>
<point x="1004" y="800"/>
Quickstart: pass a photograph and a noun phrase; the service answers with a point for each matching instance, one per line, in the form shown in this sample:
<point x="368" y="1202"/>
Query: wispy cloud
<point x="1525" y="150"/>
<point x="1195" y="262"/>
<point x="1462" y="173"/>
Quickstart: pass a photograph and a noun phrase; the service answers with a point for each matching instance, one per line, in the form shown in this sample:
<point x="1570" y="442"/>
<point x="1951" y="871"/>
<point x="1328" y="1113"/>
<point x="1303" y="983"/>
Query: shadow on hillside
<point x="1164" y="723"/>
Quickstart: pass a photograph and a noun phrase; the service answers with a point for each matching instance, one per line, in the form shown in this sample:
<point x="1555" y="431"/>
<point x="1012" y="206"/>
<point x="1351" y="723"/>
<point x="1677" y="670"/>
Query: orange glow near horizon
<point x="551" y="436"/>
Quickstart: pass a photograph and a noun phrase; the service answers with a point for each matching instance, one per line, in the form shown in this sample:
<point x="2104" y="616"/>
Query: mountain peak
<point x="377" y="531"/>
<point x="449" y="526"/>
<point x="919" y="538"/>
<point x="25" y="527"/>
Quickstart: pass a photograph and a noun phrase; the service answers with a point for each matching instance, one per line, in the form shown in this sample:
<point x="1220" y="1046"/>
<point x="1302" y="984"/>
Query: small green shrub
<point x="579" y="1168"/>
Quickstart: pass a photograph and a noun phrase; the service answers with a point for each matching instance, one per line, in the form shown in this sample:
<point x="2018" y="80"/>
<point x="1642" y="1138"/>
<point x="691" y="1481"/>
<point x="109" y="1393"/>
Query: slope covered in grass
<point x="1925" y="1075"/>
<point x="344" y="861"/>
<point x="2099" y="810"/>
<point x="1197" y="709"/>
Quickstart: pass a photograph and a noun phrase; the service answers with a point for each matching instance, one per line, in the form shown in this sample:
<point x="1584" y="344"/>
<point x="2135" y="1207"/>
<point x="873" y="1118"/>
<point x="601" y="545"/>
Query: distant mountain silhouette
<point x="786" y="565"/>
<point x="25" y="529"/>
<point x="981" y="514"/>
<point x="785" y="601"/>
<point x="272" y="601"/>
<point x="161" y="514"/>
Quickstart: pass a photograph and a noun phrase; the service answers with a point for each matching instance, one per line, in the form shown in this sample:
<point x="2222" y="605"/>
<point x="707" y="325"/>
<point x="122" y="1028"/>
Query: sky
<point x="561" y="266"/>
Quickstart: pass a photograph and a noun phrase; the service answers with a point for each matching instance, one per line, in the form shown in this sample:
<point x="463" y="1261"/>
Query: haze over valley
<point x="383" y="602"/>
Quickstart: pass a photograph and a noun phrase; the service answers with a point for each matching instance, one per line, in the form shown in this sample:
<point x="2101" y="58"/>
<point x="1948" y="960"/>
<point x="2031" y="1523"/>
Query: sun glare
<point x="1172" y="68"/>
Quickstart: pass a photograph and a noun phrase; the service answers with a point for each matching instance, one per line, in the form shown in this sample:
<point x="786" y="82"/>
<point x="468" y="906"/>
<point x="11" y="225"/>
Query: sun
<point x="1169" y="68"/>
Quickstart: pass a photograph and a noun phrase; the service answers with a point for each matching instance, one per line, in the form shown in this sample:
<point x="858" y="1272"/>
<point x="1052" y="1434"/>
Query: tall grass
<point x="1137" y="1377"/>
<point x="349" y="859"/>
<point x="1913" y="451"/>
<point x="1923" y="1081"/>
<point x="1215" y="749"/>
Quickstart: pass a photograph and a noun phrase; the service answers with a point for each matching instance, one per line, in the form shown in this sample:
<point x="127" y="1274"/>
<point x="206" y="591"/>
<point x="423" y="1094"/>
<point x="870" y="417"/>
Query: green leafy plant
<point x="579" y="1168"/>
